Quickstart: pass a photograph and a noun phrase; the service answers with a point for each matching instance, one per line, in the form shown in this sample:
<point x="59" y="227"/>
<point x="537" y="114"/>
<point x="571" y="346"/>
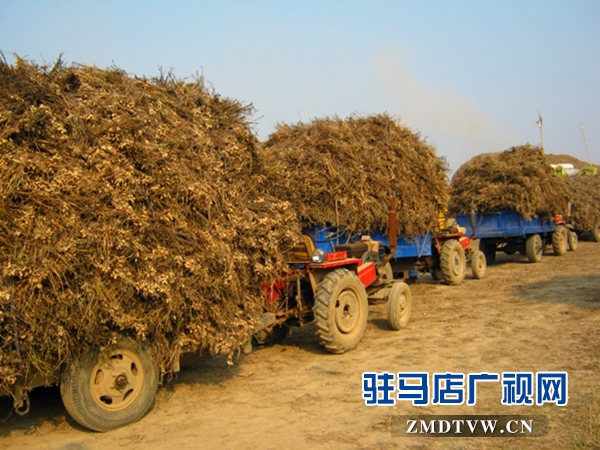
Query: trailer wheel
<point x="572" y="240"/>
<point x="478" y="264"/>
<point x="107" y="391"/>
<point x="452" y="262"/>
<point x="559" y="241"/>
<point x="489" y="250"/>
<point x="340" y="311"/>
<point x="534" y="248"/>
<point x="596" y="232"/>
<point x="270" y="337"/>
<point x="399" y="306"/>
<point x="436" y="274"/>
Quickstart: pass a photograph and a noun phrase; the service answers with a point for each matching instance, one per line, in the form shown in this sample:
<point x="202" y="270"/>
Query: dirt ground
<point x="521" y="317"/>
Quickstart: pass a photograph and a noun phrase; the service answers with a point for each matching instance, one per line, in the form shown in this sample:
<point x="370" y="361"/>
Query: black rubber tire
<point x="95" y="402"/>
<point x="595" y="232"/>
<point x="534" y="248"/>
<point x="370" y="256"/>
<point x="478" y="264"/>
<point x="572" y="240"/>
<point x="268" y="338"/>
<point x="436" y="274"/>
<point x="559" y="241"/>
<point x="399" y="306"/>
<point x="386" y="274"/>
<point x="453" y="262"/>
<point x="489" y="250"/>
<point x="340" y="311"/>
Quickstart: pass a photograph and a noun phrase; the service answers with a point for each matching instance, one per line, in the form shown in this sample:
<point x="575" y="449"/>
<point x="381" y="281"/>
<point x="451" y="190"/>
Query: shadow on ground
<point x="582" y="290"/>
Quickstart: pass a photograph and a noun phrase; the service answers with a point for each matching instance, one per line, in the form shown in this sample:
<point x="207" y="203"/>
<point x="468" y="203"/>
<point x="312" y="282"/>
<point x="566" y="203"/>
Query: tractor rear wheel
<point x="399" y="306"/>
<point x="452" y="262"/>
<point x="478" y="264"/>
<point x="340" y="311"/>
<point x="559" y="241"/>
<point x="107" y="391"/>
<point x="534" y="248"/>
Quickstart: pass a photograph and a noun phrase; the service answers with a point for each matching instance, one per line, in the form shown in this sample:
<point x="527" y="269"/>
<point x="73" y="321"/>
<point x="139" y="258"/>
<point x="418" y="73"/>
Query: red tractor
<point x="333" y="287"/>
<point x="451" y="250"/>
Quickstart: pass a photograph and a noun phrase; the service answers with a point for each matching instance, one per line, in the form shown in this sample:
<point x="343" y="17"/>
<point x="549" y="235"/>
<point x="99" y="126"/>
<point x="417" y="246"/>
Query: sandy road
<point x="521" y="317"/>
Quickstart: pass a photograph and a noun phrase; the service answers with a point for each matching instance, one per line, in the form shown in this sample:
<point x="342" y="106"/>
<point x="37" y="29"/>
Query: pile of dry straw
<point x="128" y="204"/>
<point x="344" y="172"/>
<point x="518" y="179"/>
<point x="585" y="194"/>
<point x="148" y="207"/>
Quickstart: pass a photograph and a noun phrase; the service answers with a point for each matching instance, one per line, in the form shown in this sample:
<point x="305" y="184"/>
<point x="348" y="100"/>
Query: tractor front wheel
<point x="340" y="311"/>
<point x="478" y="264"/>
<point x="399" y="306"/>
<point x="573" y="240"/>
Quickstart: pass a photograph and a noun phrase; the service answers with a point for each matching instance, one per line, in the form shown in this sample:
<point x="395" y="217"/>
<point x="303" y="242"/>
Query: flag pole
<point x="540" y="122"/>
<point x="586" y="144"/>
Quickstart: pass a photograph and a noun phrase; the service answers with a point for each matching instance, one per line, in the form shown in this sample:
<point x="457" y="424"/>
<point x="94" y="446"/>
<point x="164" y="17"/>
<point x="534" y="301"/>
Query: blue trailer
<point x="509" y="232"/>
<point x="444" y="254"/>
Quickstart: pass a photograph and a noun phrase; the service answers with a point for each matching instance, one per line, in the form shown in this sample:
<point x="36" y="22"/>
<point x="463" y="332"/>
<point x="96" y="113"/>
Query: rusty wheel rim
<point x="116" y="381"/>
<point x="347" y="313"/>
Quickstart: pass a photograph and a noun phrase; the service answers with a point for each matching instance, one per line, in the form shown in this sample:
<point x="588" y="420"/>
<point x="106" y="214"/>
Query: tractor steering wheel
<point x="331" y="233"/>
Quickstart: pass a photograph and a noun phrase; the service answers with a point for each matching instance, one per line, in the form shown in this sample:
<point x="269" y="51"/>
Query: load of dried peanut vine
<point x="344" y="172"/>
<point x="518" y="179"/>
<point x="128" y="205"/>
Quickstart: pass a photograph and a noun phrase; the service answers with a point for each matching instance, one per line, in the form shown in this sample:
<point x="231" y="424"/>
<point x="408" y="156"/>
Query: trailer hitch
<point x="21" y="402"/>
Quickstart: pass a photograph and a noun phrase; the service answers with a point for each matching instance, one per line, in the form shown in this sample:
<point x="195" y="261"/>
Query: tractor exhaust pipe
<point x="393" y="232"/>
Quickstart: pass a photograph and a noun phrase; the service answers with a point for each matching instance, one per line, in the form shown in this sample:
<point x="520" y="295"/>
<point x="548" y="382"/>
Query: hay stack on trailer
<point x="585" y="212"/>
<point x="517" y="197"/>
<point x="584" y="189"/>
<point x="518" y="179"/>
<point x="127" y="205"/>
<point x="344" y="172"/>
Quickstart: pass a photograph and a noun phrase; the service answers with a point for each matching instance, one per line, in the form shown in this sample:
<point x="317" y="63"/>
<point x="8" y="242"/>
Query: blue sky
<point x="470" y="76"/>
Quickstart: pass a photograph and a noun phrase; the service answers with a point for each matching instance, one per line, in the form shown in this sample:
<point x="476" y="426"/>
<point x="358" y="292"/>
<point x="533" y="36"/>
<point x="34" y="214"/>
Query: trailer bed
<point x="504" y="224"/>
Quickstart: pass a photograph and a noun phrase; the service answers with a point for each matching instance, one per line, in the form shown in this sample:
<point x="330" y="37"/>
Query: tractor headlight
<point x="318" y="256"/>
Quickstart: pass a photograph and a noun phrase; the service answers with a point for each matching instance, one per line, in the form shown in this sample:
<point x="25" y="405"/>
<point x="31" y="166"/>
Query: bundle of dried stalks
<point x="584" y="191"/>
<point x="585" y="194"/>
<point x="344" y="172"/>
<point x="518" y="179"/>
<point x="128" y="205"/>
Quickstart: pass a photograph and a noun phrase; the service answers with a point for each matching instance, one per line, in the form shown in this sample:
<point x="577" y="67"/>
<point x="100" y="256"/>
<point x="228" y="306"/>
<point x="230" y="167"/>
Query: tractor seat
<point x="455" y="229"/>
<point x="302" y="252"/>
<point x="353" y="249"/>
